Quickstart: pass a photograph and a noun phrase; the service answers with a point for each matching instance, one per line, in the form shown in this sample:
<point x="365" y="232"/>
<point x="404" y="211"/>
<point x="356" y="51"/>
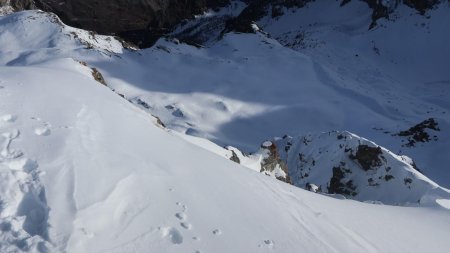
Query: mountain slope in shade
<point x="153" y="189"/>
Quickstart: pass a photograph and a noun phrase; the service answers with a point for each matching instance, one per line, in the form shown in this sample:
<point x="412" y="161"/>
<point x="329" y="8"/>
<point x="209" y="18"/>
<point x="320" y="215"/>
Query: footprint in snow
<point x="23" y="164"/>
<point x="172" y="234"/>
<point x="267" y="243"/>
<point x="186" y="225"/>
<point x="42" y="131"/>
<point x="8" y="118"/>
<point x="183" y="206"/>
<point x="181" y="216"/>
<point x="5" y="142"/>
<point x="25" y="188"/>
<point x="86" y="233"/>
<point x="217" y="232"/>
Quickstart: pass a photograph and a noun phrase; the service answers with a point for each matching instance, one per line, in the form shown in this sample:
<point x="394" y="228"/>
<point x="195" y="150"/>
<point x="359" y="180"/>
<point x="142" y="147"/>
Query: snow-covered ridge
<point x="346" y="164"/>
<point x="31" y="37"/>
<point x="339" y="163"/>
<point x="85" y="170"/>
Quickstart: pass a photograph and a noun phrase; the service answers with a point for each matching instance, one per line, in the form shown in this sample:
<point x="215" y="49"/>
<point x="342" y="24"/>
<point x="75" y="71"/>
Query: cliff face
<point x="115" y="16"/>
<point x="144" y="21"/>
<point x="18" y="4"/>
<point x="141" y="21"/>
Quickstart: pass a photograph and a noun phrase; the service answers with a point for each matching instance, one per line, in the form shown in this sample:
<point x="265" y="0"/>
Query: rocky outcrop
<point x="140" y="21"/>
<point x="18" y="4"/>
<point x="257" y="9"/>
<point x="382" y="9"/>
<point x="346" y="164"/>
<point x="421" y="132"/>
<point x="272" y="164"/>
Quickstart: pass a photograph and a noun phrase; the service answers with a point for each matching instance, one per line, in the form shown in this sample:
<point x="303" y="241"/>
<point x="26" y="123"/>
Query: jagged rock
<point x="18" y="4"/>
<point x="418" y="133"/>
<point x="98" y="76"/>
<point x="339" y="184"/>
<point x="368" y="157"/>
<point x="421" y="5"/>
<point x="234" y="157"/>
<point x="346" y="164"/>
<point x="271" y="163"/>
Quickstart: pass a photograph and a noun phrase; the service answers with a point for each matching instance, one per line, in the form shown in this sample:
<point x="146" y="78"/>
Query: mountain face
<point x="346" y="164"/>
<point x="18" y="4"/>
<point x="145" y="21"/>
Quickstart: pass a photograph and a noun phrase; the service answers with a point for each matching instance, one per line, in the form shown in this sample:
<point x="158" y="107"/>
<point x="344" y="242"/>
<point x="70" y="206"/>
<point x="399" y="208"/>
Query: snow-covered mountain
<point x="396" y="74"/>
<point x="105" y="148"/>
<point x="346" y="164"/>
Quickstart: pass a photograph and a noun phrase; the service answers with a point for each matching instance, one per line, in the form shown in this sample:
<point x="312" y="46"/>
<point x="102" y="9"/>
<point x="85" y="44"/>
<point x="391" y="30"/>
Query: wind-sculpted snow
<point x="32" y="37"/>
<point x="86" y="168"/>
<point x="115" y="182"/>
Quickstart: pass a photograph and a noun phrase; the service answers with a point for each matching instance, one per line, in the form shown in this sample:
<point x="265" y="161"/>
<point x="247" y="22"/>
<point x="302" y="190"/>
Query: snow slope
<point x="84" y="170"/>
<point x="245" y="88"/>
<point x="105" y="178"/>
<point x="399" y="69"/>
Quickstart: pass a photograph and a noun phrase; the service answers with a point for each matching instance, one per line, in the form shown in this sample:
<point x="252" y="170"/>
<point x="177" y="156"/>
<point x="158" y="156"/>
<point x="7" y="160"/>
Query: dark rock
<point x="421" y="5"/>
<point x="234" y="157"/>
<point x="382" y="11"/>
<point x="140" y="21"/>
<point x="141" y="103"/>
<point x="159" y="121"/>
<point x="338" y="185"/>
<point x="256" y="10"/>
<point x="408" y="181"/>
<point x="418" y="132"/>
<point x="388" y="177"/>
<point x="368" y="157"/>
<point x="313" y="188"/>
<point x="273" y="160"/>
<point x="98" y="76"/>
<point x="19" y="5"/>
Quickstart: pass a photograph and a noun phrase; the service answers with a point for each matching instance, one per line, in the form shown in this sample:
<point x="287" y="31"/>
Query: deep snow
<point x="84" y="170"/>
<point x="113" y="181"/>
